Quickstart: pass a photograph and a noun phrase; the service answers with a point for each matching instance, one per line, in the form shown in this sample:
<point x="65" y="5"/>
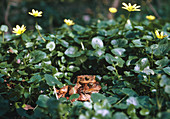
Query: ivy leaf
<point x="137" y="43"/>
<point x="42" y="101"/>
<point x="165" y="80"/>
<point x="119" y="115"/>
<point x="37" y="56"/>
<point x="144" y="112"/>
<point x="129" y="92"/>
<point x="133" y="101"/>
<point x="109" y="58"/>
<point x="119" y="42"/>
<point x="72" y="51"/>
<point x="73" y="68"/>
<point x="167" y="70"/>
<point x="97" y="43"/>
<point x="163" y="62"/>
<point x="51" y="81"/>
<point x="162" y="49"/>
<point x="79" y="29"/>
<point x="97" y="97"/>
<point x="118" y="51"/>
<point x="25" y="37"/>
<point x="4" y="106"/>
<point x="4" y="28"/>
<point x="167" y="89"/>
<point x="147" y="37"/>
<point x="74" y="96"/>
<point x="35" y="79"/>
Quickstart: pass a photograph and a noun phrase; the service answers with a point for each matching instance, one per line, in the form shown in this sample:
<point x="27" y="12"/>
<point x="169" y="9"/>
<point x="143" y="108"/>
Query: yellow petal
<point x="125" y="4"/>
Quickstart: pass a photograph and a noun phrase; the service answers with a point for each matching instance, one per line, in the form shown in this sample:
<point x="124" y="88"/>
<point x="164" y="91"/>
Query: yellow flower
<point x="160" y="35"/>
<point x="112" y="10"/>
<point x="130" y="7"/>
<point x="19" y="30"/>
<point x="35" y="13"/>
<point x="69" y="22"/>
<point x="150" y="17"/>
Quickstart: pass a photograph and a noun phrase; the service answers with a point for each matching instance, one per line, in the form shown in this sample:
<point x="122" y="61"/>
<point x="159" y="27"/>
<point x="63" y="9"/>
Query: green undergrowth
<point x="129" y="61"/>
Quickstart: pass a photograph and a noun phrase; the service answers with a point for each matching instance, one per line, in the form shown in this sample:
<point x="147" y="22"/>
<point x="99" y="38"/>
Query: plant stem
<point x="121" y="100"/>
<point x="3" y="37"/>
<point x="116" y="70"/>
<point x="149" y="79"/>
<point x="39" y="32"/>
<point x="55" y="92"/>
<point x="24" y="62"/>
<point x="82" y="45"/>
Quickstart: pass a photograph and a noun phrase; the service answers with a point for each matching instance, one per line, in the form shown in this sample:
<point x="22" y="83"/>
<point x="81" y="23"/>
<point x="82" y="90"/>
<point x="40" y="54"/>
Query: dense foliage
<point x="129" y="60"/>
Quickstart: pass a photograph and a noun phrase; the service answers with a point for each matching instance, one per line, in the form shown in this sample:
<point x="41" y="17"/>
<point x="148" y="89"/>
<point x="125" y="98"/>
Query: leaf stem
<point x="3" y="37"/>
<point x="55" y="92"/>
<point x="82" y="45"/>
<point x="121" y="100"/>
<point x="116" y="70"/>
<point x="39" y="32"/>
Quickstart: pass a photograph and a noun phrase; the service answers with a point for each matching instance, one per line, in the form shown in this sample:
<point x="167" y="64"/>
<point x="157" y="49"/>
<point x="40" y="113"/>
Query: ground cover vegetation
<point x="113" y="69"/>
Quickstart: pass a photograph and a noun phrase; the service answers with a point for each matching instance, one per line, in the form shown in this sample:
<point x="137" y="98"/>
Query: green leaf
<point x="112" y="32"/>
<point x="118" y="51"/>
<point x="25" y="38"/>
<point x="165" y="80"/>
<point x="37" y="56"/>
<point x="69" y="83"/>
<point x="137" y="43"/>
<point x="64" y="43"/>
<point x="74" y="96"/>
<point x="29" y="44"/>
<point x="120" y="61"/>
<point x="99" y="52"/>
<point x="38" y="27"/>
<point x="167" y="70"/>
<point x="72" y="51"/>
<point x="141" y="64"/>
<point x="42" y="101"/>
<point x="97" y="43"/>
<point x="112" y="100"/>
<point x="147" y="37"/>
<point x="97" y="106"/>
<point x="4" y="28"/>
<point x="167" y="89"/>
<point x="121" y="106"/>
<point x="79" y="29"/>
<point x="109" y="58"/>
<point x="87" y="105"/>
<point x="131" y="110"/>
<point x="144" y="112"/>
<point x="73" y="68"/>
<point x="129" y="92"/>
<point x="22" y="73"/>
<point x="128" y="73"/>
<point x="130" y="60"/>
<point x="162" y="49"/>
<point x="163" y="115"/>
<point x="35" y="79"/>
<point x="128" y="25"/>
<point x="139" y="27"/>
<point x="4" y="106"/>
<point x="110" y="68"/>
<point x="119" y="42"/>
<point x="163" y="62"/>
<point x="119" y="115"/>
<point x="51" y="81"/>
<point x="81" y="59"/>
<point x="96" y="97"/>
<point x="132" y="101"/>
